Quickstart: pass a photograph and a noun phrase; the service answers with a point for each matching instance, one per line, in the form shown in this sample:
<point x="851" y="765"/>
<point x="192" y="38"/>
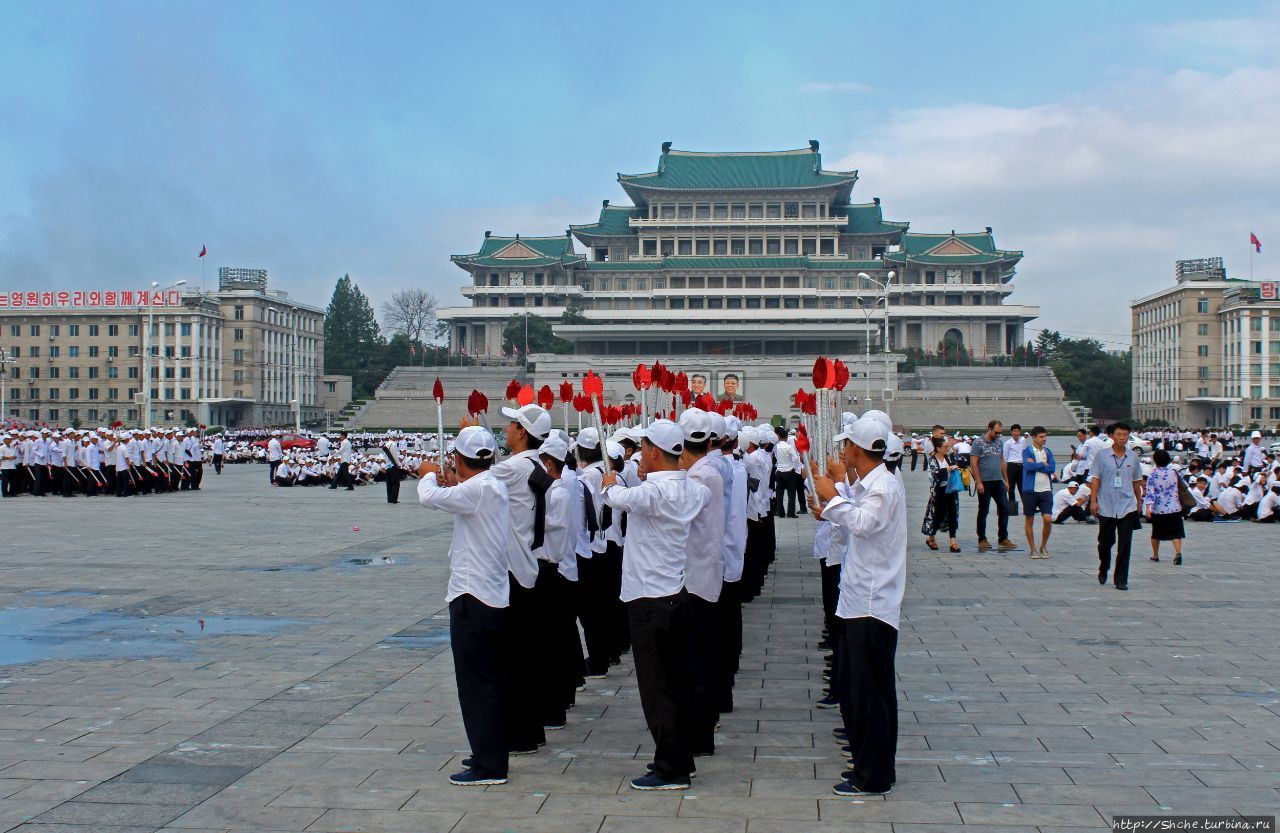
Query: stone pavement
<point x="318" y="693"/>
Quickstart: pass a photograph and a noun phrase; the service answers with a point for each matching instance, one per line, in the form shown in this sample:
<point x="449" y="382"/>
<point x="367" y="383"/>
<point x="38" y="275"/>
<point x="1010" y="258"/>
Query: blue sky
<point x="315" y="139"/>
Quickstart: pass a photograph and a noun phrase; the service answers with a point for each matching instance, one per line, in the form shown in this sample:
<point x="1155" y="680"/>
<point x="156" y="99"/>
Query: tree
<point x="411" y="312"/>
<point x="353" y="344"/>
<point x="1089" y="373"/>
<point x="540" y="337"/>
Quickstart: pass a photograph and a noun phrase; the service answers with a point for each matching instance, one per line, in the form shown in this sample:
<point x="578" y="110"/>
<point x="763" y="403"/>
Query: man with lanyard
<point x="1115" y="481"/>
<point x="1254" y="459"/>
<point x="660" y="511"/>
<point x="704" y="579"/>
<point x="990" y="476"/>
<point x="1014" y="446"/>
<point x="530" y="692"/>
<point x="872" y="585"/>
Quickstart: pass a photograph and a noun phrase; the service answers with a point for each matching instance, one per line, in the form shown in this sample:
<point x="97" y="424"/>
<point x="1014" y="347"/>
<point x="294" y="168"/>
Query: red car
<point x="289" y="441"/>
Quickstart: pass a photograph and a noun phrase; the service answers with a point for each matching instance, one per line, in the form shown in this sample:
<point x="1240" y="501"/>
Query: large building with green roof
<point x="744" y="254"/>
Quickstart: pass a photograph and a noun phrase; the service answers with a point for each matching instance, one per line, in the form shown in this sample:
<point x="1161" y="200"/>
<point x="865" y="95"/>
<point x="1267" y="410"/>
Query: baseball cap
<point x="718" y="425"/>
<point x="868" y="433"/>
<point x="532" y="418"/>
<point x="1256" y="435"/>
<point x="732" y="425"/>
<point x="588" y="438"/>
<point x="696" y="425"/>
<point x="880" y="417"/>
<point x="476" y="442"/>
<point x="613" y="450"/>
<point x="666" y="435"/>
<point x="893" y="449"/>
<point x="555" y="448"/>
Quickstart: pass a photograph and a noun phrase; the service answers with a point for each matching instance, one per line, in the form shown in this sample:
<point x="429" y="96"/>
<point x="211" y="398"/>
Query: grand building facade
<point x="1206" y="350"/>
<point x="744" y="254"/>
<point x="240" y="355"/>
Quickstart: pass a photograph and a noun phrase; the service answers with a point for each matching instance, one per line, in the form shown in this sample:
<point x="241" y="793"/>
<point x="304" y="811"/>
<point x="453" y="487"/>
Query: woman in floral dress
<point x="943" y="511"/>
<point x="1162" y="507"/>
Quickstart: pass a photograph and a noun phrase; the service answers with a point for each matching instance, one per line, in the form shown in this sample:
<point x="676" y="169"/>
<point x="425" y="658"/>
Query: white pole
<point x="146" y="362"/>
<point x="297" y="389"/>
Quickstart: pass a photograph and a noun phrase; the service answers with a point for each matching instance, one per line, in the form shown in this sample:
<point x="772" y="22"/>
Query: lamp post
<point x="146" y="350"/>
<point x="5" y="361"/>
<point x="867" y="312"/>
<point x="884" y="290"/>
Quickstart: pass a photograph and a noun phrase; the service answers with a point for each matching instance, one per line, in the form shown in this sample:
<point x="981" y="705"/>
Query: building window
<point x="15" y="330"/>
<point x="35" y="352"/>
<point x="237" y="334"/>
<point x="977" y="276"/>
<point x="93" y="393"/>
<point x="133" y="373"/>
<point x="114" y="329"/>
<point x="54" y="351"/>
<point x="1202" y="329"/>
<point x="1204" y="373"/>
<point x="73" y="352"/>
<point x="35" y="329"/>
<point x="1255" y="347"/>
<point x="1203" y="350"/>
<point x="134" y="330"/>
<point x="73" y="373"/>
<point x="1202" y="305"/>
<point x="185" y="330"/>
<point x="113" y="372"/>
<point x="93" y="351"/>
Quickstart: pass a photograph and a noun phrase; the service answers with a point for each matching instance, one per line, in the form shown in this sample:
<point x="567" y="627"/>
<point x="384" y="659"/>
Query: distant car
<point x="1140" y="445"/>
<point x="1275" y="448"/>
<point x="289" y="442"/>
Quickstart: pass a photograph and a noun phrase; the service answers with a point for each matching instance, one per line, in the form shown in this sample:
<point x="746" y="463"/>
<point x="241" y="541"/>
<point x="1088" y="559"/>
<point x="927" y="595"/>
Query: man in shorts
<point x="1038" y="467"/>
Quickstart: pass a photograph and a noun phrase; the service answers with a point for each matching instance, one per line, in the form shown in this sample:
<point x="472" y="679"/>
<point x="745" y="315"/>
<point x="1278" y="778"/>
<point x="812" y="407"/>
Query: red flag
<point x="203" y="251"/>
<point x="1257" y="244"/>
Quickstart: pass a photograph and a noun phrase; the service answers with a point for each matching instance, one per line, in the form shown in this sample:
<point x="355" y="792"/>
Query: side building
<point x="744" y="255"/>
<point x="240" y="355"/>
<point x="1206" y="351"/>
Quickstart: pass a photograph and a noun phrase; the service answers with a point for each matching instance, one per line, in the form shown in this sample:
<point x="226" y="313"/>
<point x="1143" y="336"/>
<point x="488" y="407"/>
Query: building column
<point x="1242" y="358"/>
<point x="1266" y="356"/>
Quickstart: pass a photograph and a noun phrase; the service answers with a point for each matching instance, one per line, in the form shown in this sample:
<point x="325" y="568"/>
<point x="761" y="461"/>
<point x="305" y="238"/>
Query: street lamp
<point x="146" y="350"/>
<point x="867" y="312"/>
<point x="5" y="361"/>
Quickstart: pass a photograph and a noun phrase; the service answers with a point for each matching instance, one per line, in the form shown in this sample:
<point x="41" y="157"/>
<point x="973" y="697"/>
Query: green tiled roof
<point x="941" y="260"/>
<point x="682" y="170"/>
<point x="867" y="219"/>
<point x="551" y="251"/>
<point x="612" y="222"/>
<point x="981" y="248"/>
<point x="730" y="264"/>
<point x="918" y="244"/>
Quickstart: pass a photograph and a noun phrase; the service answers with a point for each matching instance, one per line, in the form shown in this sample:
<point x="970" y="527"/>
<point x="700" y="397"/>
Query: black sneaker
<point x="531" y="751"/>
<point x="655" y="782"/>
<point x="650" y="767"/>
<point x="840" y="732"/>
<point x="848" y="790"/>
<point x="828" y="702"/>
<point x="474" y="778"/>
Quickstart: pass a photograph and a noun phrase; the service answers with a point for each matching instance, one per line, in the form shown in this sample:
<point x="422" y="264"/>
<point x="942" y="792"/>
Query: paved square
<point x="318" y="693"/>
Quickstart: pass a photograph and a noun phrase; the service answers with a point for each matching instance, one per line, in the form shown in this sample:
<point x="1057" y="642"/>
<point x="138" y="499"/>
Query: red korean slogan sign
<point x="88" y="299"/>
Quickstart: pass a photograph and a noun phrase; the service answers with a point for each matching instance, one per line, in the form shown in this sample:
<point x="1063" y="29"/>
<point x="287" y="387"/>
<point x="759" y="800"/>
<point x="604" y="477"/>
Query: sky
<point x="1105" y="140"/>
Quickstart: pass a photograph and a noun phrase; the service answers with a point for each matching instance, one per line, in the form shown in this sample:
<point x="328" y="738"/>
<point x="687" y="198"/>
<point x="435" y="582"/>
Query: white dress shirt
<point x="572" y="488"/>
<point x="557" y="541"/>
<point x="1253" y="457"/>
<point x="1268" y="506"/>
<point x="273" y="449"/>
<point x="477" y="553"/>
<point x="345" y="454"/>
<point x="514" y="473"/>
<point x="758" y="466"/>
<point x="704" y="552"/>
<point x="873" y="578"/>
<point x="1013" y="450"/>
<point x="660" y="512"/>
<point x="787" y="456"/>
<point x="735" y="518"/>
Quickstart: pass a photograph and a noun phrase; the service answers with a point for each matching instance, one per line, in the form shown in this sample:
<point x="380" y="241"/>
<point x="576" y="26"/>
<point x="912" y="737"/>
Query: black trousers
<point x="343" y="478"/>
<point x="703" y="661"/>
<point x="196" y="469"/>
<point x="659" y="641"/>
<point x="993" y="490"/>
<point x="272" y="465"/>
<point x="123" y="484"/>
<point x="1015" y="484"/>
<point x="870" y="702"/>
<point x="476" y="635"/>
<point x="9" y="482"/>
<point x="217" y="464"/>
<point x="548" y="688"/>
<point x="729" y="611"/>
<point x="1117" y="532"/>
<point x="592" y="590"/>
<point x="394" y="476"/>
<point x="615" y="615"/>
<point x="566" y="644"/>
<point x="525" y="675"/>
<point x="1072" y="512"/>
<point x="41" y="474"/>
<point x="790" y="487"/>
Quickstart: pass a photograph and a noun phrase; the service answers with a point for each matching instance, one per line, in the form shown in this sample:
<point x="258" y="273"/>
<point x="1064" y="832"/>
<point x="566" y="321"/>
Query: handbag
<point x="955" y="482"/>
<point x="1185" y="497"/>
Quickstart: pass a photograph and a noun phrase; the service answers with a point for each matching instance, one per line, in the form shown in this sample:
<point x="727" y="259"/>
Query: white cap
<point x="275" y="433"/>
<point x="867" y="433"/>
<point x="731" y="426"/>
<point x="1256" y="435"/>
<point x="666" y="435"/>
<point x="476" y="442"/>
<point x="613" y="450"/>
<point x="696" y="425"/>
<point x="1071" y="484"/>
<point x="893" y="449"/>
<point x="532" y="418"/>
<point x="555" y="448"/>
<point x="718" y="427"/>
<point x="588" y="438"/>
<point x="880" y="417"/>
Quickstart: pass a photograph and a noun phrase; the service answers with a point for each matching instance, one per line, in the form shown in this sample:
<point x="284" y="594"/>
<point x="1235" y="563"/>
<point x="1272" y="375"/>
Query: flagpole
<point x="1251" y="248"/>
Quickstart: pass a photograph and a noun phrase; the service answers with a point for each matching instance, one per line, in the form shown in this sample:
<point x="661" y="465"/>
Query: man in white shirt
<point x="530" y="699"/>
<point x="704" y="579"/>
<point x="1254" y="459"/>
<point x="477" y="595"/>
<point x="563" y="654"/>
<point x="759" y="542"/>
<point x="872" y="584"/>
<point x="660" y="511"/>
<point x="9" y="466"/>
<point x="1269" y="506"/>
<point x="275" y="452"/>
<point x="735" y="547"/>
<point x="1014" y="445"/>
<point x="322" y="447"/>
<point x="219" y="451"/>
<point x="789" y="480"/>
<point x="1072" y="503"/>
<point x="346" y="456"/>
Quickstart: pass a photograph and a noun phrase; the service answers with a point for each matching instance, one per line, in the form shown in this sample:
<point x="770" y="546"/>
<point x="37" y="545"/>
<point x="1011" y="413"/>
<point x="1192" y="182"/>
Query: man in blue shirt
<point x="1115" y="481"/>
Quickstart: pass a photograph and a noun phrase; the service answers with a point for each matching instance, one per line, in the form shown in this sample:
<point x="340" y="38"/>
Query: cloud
<point x="834" y="87"/>
<point x="1102" y="194"/>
